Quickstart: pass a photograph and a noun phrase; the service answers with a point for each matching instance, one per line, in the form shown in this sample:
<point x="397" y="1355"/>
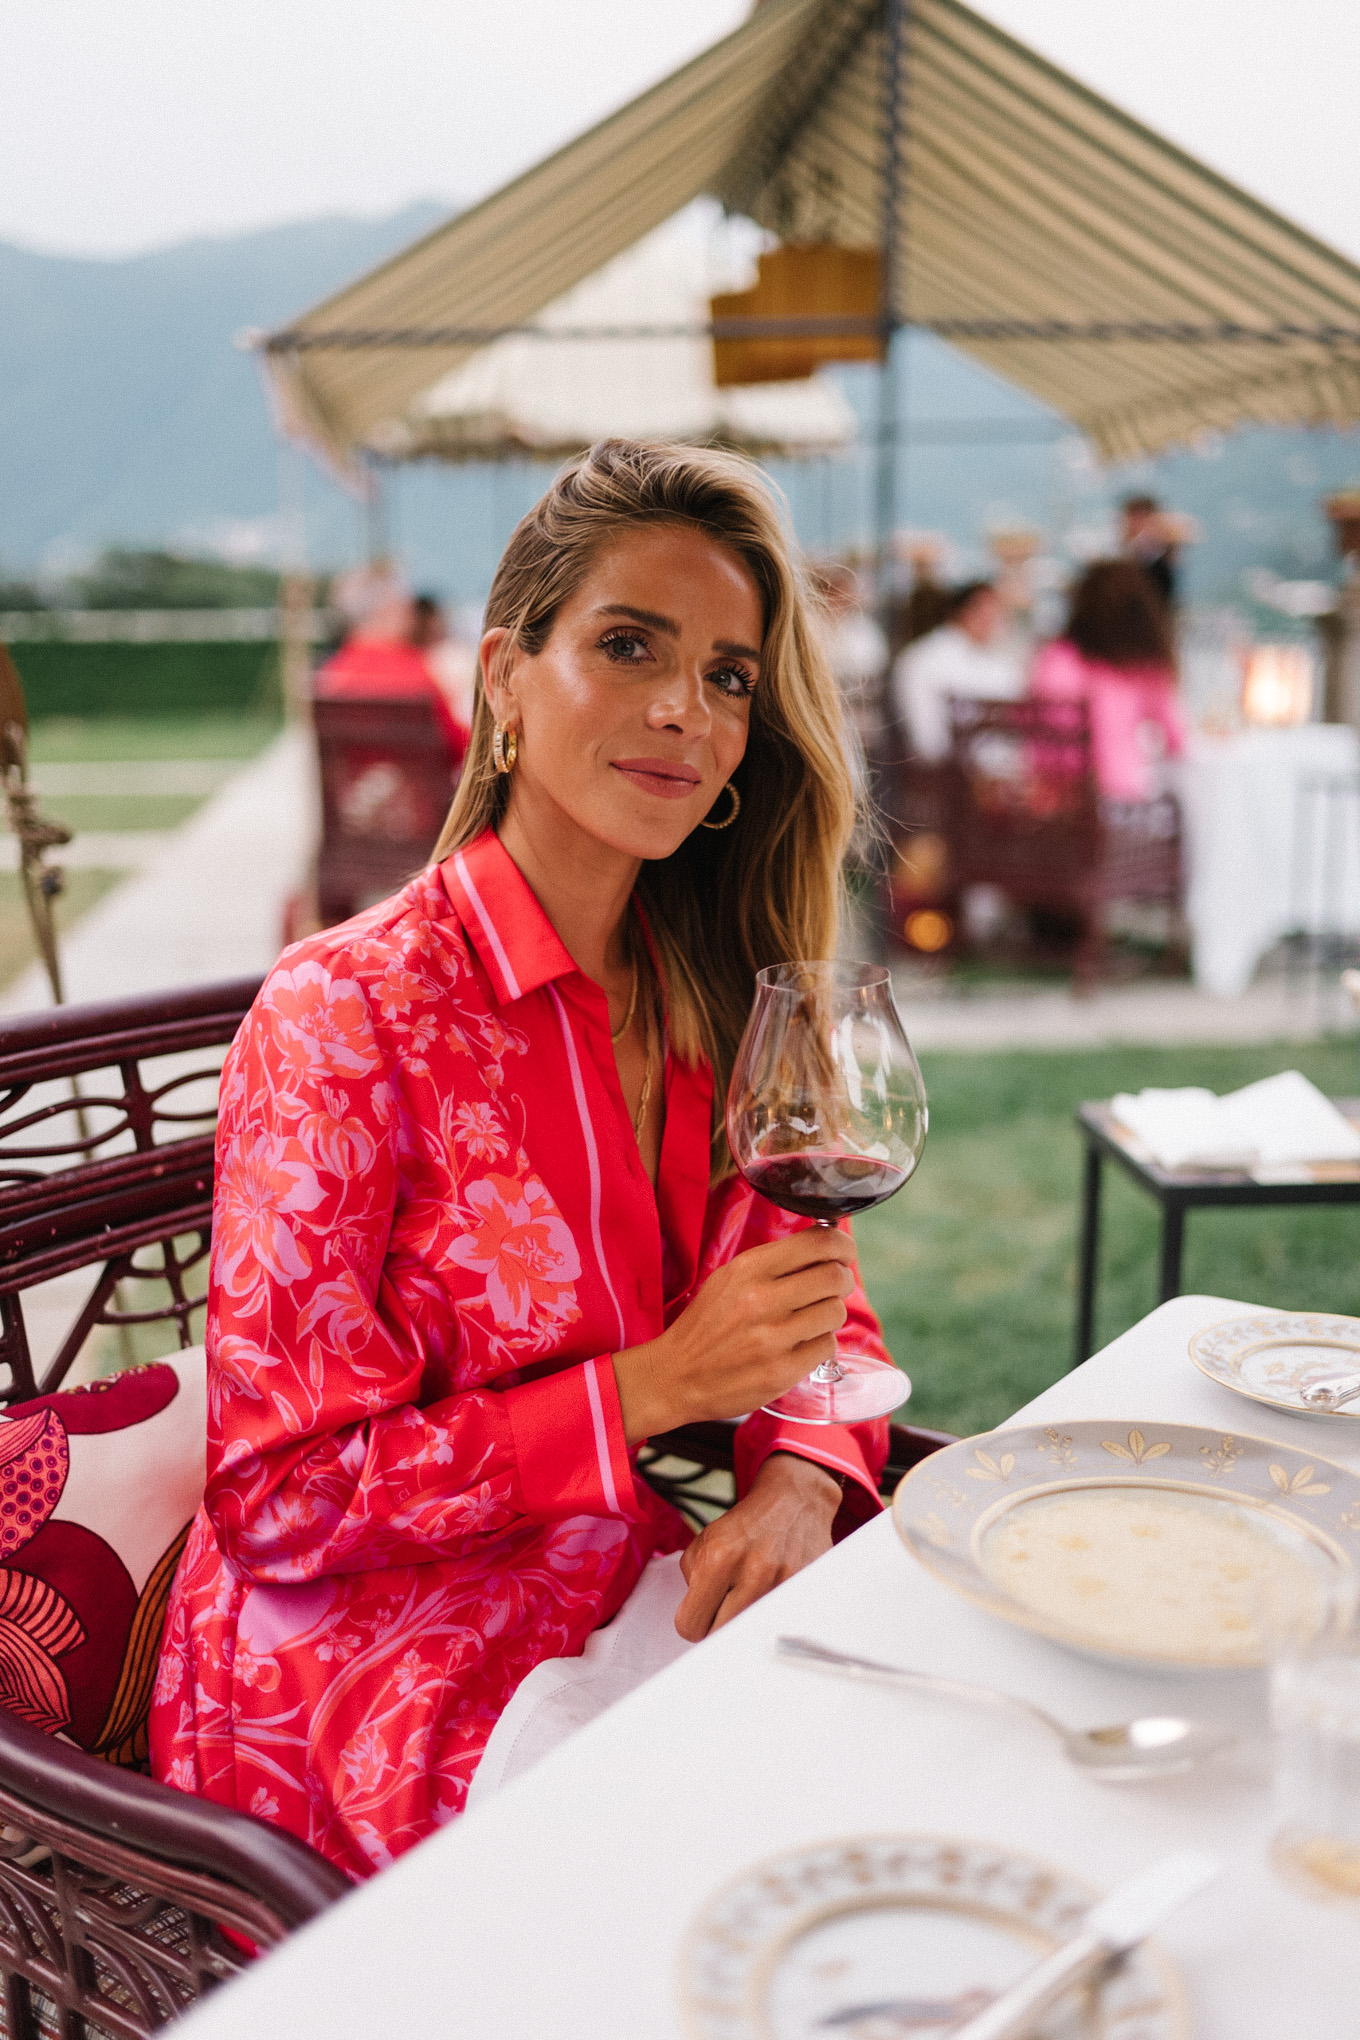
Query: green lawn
<point x="88" y="812"/>
<point x="973" y="1267"/>
<point x="64" y="740"/>
<point x="17" y="947"/>
<point x="80" y="739"/>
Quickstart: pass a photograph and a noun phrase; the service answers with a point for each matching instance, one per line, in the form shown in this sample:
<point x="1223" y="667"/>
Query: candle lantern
<point x="1278" y="686"/>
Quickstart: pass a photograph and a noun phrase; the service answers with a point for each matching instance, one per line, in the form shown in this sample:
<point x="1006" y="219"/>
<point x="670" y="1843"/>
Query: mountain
<point x="127" y="417"/>
<point x="126" y="413"/>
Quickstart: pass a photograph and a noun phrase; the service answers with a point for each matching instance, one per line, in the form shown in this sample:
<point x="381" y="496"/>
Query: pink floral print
<point x="423" y="1258"/>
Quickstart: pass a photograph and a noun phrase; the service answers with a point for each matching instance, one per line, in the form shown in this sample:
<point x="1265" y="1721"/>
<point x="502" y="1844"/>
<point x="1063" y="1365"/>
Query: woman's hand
<point x="772" y="1533"/>
<point x="758" y="1325"/>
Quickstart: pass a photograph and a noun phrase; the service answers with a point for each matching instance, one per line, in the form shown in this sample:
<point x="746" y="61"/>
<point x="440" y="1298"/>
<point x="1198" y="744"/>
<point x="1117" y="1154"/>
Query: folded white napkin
<point x="1282" y="1122"/>
<point x="563" y="1694"/>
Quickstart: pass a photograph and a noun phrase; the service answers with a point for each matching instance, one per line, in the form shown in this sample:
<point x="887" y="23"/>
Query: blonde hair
<point x="729" y="901"/>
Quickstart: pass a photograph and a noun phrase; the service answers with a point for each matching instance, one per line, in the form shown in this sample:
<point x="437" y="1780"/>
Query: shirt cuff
<point x="570" y="1446"/>
<point x="833" y="1445"/>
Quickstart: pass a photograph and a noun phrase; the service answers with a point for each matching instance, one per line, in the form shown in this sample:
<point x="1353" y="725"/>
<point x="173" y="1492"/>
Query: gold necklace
<point x="617" y="1035"/>
<point x="645" y="1100"/>
<point x="645" y="1097"/>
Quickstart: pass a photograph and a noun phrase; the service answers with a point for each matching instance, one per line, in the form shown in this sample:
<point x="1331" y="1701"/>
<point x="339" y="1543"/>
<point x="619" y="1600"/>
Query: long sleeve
<point x="321" y="1457"/>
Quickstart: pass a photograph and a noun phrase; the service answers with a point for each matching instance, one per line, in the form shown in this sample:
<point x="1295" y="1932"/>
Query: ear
<point x="500" y="662"/>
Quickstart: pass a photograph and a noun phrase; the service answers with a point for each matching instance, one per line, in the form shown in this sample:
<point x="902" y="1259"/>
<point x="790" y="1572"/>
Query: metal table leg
<point x="1173" y="1227"/>
<point x="1090" y="1244"/>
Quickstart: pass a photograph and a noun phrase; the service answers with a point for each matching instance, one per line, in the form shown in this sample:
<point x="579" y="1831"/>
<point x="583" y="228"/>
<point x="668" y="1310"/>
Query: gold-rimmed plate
<point x="1273" y="1355"/>
<point x="901" y="1937"/>
<point x="1151" y="1544"/>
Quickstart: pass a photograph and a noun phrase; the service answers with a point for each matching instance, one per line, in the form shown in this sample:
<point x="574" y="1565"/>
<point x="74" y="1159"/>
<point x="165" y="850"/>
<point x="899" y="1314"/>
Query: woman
<point x="477" y="1233"/>
<point x="1116" y="655"/>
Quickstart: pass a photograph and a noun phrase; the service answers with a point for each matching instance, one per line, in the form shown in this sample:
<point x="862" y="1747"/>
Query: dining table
<point x="560" y="1907"/>
<point x="1271" y="821"/>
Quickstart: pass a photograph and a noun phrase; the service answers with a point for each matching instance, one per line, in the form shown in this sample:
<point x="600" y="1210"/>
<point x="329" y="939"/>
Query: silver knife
<point x="1108" y="1931"/>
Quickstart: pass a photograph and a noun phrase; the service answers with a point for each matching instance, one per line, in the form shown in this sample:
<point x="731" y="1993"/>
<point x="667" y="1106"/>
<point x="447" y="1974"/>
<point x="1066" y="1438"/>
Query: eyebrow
<point x="671" y="628"/>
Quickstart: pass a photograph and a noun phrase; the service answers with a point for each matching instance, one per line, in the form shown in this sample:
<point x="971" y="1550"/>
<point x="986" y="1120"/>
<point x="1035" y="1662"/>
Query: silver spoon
<point x="1331" y="1395"/>
<point x="1147" y="1748"/>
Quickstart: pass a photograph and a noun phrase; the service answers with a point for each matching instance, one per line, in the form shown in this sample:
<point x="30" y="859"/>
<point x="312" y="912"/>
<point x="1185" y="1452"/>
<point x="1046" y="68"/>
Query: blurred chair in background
<point x="1030" y="821"/>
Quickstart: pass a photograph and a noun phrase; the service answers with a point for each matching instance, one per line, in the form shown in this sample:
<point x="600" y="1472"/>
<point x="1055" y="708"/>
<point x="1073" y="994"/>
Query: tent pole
<point x="375" y="514"/>
<point x="295" y="589"/>
<point x="894" y="82"/>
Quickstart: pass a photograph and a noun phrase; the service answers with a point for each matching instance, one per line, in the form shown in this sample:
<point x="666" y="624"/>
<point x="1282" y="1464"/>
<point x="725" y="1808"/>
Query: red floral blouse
<point x="431" y="1230"/>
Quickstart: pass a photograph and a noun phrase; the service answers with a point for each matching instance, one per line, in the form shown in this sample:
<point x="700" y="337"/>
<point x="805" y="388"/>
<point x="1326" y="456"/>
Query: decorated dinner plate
<point x="901" y="1937"/>
<point x="1273" y="1355"/>
<point x="1144" y="1543"/>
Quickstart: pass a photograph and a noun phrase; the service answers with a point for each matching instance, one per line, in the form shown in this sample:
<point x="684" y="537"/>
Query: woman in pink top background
<point x="1116" y="655"/>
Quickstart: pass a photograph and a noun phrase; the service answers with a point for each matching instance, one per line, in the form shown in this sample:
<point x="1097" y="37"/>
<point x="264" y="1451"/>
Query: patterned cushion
<point x="98" y="1487"/>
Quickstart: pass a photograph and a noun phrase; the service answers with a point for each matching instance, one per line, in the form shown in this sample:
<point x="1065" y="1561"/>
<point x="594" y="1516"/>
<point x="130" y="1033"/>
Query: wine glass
<point x="826" y="1116"/>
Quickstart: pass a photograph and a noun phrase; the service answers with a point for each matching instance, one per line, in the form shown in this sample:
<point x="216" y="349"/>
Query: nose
<point x="681" y="702"/>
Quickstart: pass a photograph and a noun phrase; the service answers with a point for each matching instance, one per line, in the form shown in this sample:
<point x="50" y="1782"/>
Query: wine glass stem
<point x="830" y="1370"/>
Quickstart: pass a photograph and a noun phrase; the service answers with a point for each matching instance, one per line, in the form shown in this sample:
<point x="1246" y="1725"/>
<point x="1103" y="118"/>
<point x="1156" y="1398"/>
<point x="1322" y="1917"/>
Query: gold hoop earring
<point x="504" y="747"/>
<point x="736" y="810"/>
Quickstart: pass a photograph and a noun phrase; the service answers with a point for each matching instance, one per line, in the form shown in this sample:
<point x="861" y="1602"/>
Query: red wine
<point x="824" y="1186"/>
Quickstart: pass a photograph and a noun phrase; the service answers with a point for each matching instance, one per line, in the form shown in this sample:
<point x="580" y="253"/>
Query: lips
<point x="661" y="776"/>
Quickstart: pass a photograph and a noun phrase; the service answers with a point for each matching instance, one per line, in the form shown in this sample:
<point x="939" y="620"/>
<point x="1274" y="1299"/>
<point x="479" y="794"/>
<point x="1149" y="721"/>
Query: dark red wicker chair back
<point x="106" y="1140"/>
<point x="386" y="786"/>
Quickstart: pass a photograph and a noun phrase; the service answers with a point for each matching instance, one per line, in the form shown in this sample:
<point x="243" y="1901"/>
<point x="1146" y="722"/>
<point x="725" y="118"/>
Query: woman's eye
<point x="625" y="646"/>
<point x="734" y="681"/>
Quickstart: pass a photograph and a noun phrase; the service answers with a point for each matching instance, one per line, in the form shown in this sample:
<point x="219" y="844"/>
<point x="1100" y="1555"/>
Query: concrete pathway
<point x="135" y="776"/>
<point x="207" y="900"/>
<point x="102" y="850"/>
<point x="1157" y="1012"/>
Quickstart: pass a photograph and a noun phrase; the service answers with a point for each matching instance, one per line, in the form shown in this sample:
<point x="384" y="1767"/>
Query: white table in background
<point x="1241" y="801"/>
<point x="557" y="1909"/>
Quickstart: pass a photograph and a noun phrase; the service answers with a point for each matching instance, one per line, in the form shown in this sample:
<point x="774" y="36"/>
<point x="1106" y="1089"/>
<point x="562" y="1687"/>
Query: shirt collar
<point x="518" y="946"/>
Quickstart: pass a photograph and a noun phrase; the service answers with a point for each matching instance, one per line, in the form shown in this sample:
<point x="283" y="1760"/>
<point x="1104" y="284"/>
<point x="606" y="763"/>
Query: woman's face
<point x="635" y="714"/>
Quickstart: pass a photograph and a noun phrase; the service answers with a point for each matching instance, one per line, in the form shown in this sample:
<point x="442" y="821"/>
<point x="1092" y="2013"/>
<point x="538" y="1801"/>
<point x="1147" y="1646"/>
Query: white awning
<point x="551" y="398"/>
<point x="1043" y="231"/>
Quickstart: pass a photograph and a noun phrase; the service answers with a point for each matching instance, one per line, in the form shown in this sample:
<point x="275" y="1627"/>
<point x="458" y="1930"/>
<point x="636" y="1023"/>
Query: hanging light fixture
<point x="816" y="301"/>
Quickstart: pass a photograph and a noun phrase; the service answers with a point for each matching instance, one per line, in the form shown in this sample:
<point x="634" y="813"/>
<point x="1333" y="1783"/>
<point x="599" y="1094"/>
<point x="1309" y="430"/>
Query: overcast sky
<point x="131" y="125"/>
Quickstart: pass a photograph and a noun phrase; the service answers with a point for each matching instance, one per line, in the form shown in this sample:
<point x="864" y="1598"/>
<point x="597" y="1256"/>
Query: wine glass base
<point x="867" y="1388"/>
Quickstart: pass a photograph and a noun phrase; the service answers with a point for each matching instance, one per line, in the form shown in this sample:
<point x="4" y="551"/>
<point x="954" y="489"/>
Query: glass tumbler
<point x="1315" y="1715"/>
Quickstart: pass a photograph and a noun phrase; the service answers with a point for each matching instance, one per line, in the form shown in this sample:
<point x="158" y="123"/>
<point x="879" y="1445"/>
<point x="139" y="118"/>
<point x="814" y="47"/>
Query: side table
<point x="1178" y="1191"/>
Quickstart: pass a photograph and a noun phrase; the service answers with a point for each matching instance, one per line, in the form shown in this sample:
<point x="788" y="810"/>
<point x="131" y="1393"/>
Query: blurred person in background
<point x="379" y="659"/>
<point x="1116" y="656"/>
<point x="856" y="650"/>
<point x="966" y="654"/>
<point x="919" y="597"/>
<point x="1151" y="538"/>
<point x="451" y="662"/>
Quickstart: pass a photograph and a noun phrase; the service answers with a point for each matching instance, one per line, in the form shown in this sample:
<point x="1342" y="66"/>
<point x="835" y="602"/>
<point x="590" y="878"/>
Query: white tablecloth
<point x="558" y="1907"/>
<point x="1263" y="853"/>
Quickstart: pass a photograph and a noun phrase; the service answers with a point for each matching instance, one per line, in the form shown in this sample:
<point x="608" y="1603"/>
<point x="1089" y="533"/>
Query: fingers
<point x="818" y="1321"/>
<point x="724" y="1563"/>
<point x="709" y="1583"/>
<point x="814" y="1285"/>
<point x="802" y="1249"/>
<point x="819" y="1352"/>
<point x="742" y="1595"/>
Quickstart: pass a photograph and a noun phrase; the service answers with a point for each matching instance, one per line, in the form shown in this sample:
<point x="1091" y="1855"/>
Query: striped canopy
<point x="1040" y="229"/>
